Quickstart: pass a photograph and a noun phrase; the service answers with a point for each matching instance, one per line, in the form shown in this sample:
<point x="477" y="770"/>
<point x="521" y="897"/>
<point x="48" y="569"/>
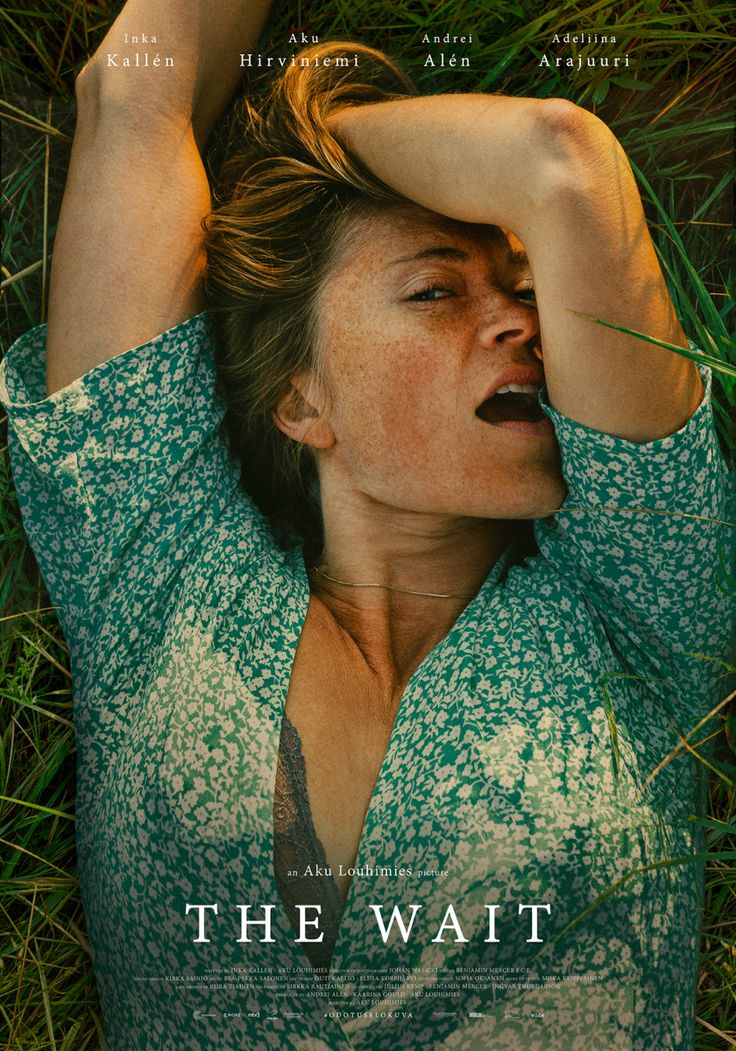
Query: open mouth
<point x="514" y="402"/>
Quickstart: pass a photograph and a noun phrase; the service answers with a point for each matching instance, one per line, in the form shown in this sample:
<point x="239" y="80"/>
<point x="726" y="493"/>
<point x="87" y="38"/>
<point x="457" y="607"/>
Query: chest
<point x="343" y="714"/>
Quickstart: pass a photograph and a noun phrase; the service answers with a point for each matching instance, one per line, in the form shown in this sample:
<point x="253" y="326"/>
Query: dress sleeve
<point x="120" y="475"/>
<point x="646" y="533"/>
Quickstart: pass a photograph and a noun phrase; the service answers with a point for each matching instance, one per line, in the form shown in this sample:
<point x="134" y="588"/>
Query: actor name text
<point x="140" y="59"/>
<point x="579" y="61"/>
<point x="442" y="58"/>
<point x="587" y="62"/>
<point x="259" y="61"/>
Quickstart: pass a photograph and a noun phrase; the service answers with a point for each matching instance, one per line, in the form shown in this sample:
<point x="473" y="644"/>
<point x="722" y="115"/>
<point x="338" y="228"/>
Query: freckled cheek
<point x="412" y="422"/>
<point x="380" y="373"/>
<point x="386" y="426"/>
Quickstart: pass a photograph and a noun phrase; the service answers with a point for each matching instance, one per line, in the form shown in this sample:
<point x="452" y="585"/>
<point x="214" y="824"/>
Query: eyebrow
<point x="433" y="252"/>
<point x="517" y="258"/>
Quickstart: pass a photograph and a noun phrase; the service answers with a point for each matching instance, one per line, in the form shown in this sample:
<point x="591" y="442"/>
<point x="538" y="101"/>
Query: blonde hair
<point x="292" y="193"/>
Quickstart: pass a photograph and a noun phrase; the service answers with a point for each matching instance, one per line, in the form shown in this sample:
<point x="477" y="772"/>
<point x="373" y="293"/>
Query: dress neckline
<point x="472" y="611"/>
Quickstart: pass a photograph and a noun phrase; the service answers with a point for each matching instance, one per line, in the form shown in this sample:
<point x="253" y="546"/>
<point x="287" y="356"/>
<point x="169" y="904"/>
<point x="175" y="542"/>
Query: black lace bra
<point x="298" y="852"/>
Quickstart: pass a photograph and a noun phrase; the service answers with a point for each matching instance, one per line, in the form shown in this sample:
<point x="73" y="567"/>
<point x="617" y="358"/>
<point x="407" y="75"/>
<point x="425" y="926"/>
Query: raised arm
<point x="127" y="255"/>
<point x="557" y="177"/>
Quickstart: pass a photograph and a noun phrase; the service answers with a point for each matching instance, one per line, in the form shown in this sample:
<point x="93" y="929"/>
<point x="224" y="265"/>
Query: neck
<point x="415" y="558"/>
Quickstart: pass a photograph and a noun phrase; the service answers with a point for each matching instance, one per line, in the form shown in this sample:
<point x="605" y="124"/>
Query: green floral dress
<point x="526" y="764"/>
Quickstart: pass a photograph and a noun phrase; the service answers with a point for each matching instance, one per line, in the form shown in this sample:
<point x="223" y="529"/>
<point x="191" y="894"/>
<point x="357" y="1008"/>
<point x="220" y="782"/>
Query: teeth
<point x="518" y="388"/>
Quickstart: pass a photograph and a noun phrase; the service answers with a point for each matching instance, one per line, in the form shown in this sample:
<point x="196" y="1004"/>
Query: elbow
<point x="559" y="118"/>
<point x="107" y="100"/>
<point x="578" y="148"/>
<point x="88" y="83"/>
<point x="93" y="91"/>
<point x="564" y="123"/>
<point x="96" y="83"/>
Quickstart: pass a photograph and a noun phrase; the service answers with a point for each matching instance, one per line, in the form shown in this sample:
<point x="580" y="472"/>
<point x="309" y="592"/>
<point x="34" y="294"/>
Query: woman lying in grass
<point x="279" y="470"/>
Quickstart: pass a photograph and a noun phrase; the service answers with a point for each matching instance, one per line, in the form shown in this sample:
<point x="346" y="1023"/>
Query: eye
<point x="429" y="294"/>
<point x="527" y="294"/>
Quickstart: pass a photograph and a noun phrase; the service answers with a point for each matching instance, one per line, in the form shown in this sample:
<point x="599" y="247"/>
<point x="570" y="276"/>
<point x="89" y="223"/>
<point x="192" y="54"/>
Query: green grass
<point x="673" y="112"/>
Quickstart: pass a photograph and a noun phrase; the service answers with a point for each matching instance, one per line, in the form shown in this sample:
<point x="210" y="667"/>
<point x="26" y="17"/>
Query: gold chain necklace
<point x="390" y="587"/>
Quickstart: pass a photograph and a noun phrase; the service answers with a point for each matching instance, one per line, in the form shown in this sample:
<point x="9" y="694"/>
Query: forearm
<point x="127" y="254"/>
<point x="476" y="158"/>
<point x="202" y="39"/>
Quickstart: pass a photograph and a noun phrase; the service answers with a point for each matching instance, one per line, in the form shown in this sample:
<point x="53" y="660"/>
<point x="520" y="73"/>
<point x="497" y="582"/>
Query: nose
<point x="509" y="323"/>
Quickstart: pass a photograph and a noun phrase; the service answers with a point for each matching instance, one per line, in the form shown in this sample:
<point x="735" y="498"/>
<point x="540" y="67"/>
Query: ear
<point x="299" y="413"/>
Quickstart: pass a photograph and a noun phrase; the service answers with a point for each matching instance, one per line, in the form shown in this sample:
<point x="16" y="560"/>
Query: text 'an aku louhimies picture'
<point x="369" y="526"/>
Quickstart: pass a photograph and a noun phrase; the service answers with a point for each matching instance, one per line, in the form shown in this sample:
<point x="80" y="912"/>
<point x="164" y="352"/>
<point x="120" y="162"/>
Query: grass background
<point x="672" y="109"/>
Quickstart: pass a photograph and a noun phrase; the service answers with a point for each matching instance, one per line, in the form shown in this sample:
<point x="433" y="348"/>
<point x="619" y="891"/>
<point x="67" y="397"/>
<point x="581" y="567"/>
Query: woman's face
<point x="421" y="321"/>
